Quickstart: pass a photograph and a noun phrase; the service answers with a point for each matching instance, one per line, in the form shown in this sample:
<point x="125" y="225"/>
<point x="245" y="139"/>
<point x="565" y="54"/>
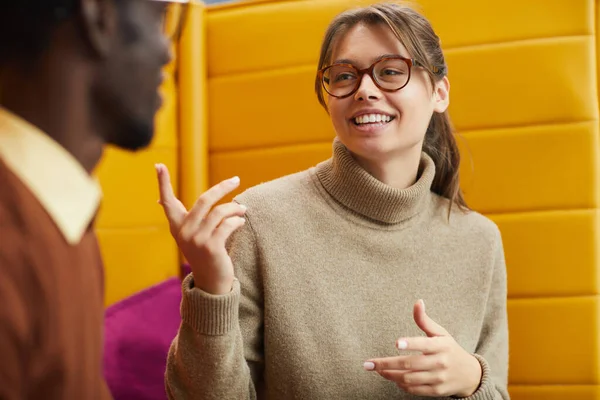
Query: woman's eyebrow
<point x="349" y="61"/>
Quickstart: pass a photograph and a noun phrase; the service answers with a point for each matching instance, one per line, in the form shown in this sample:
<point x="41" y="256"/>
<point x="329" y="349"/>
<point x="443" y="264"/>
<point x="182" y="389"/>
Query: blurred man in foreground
<point x="75" y="75"/>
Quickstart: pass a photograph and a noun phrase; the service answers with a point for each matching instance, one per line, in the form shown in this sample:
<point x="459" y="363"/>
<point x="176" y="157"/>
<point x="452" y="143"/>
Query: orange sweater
<point x="51" y="295"/>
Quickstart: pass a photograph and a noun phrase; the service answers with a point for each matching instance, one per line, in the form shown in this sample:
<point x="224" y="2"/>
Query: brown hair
<point x="416" y="34"/>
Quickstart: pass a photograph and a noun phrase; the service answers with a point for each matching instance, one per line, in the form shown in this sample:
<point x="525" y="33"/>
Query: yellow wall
<point x="524" y="100"/>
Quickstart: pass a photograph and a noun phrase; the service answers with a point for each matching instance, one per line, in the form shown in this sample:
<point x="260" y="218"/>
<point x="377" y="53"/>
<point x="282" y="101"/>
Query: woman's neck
<point x="352" y="186"/>
<point x="397" y="171"/>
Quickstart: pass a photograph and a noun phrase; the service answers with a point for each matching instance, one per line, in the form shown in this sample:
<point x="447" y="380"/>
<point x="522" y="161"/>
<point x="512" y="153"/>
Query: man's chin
<point x="136" y="137"/>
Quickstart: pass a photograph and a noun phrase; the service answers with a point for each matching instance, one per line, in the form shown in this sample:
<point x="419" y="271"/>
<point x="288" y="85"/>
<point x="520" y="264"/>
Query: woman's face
<point x="401" y="117"/>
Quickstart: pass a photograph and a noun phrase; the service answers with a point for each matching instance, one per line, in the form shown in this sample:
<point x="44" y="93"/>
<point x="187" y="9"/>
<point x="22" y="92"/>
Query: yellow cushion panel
<point x="265" y="30"/>
<point x="554" y="392"/>
<point x="130" y="188"/>
<point x="166" y="118"/>
<point x="555" y="340"/>
<point x="235" y="4"/>
<point x="193" y="132"/>
<point x="544" y="248"/>
<point x="531" y="168"/>
<point x="597" y="19"/>
<point x="240" y="117"/>
<point x="541" y="81"/>
<point x="244" y="114"/>
<point x="136" y="259"/>
<point x="254" y="167"/>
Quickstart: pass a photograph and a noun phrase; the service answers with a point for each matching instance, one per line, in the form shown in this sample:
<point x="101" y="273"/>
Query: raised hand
<point x="442" y="369"/>
<point x="202" y="231"/>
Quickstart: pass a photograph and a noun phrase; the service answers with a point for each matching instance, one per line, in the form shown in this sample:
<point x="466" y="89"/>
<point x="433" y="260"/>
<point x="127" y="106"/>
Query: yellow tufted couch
<point x="524" y="96"/>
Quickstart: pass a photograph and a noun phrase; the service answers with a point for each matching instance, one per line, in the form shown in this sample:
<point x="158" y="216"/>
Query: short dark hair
<point x="26" y="26"/>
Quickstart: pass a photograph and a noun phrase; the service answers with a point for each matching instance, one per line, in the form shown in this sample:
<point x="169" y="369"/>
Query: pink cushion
<point x="138" y="333"/>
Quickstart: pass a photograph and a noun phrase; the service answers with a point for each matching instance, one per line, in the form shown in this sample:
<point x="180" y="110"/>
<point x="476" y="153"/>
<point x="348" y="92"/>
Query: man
<point x="74" y="75"/>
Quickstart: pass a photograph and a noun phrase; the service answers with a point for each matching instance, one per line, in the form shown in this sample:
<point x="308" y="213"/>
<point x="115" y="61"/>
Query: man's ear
<point x="100" y="24"/>
<point x="441" y="95"/>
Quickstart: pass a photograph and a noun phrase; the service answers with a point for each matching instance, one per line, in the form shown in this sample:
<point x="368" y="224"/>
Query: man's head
<point x="120" y="45"/>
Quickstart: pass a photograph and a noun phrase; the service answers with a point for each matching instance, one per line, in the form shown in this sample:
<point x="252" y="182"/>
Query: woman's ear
<point x="441" y="95"/>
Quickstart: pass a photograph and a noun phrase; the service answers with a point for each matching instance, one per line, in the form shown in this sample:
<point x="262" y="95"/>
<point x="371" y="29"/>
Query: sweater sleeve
<point x="492" y="349"/>
<point x="217" y="353"/>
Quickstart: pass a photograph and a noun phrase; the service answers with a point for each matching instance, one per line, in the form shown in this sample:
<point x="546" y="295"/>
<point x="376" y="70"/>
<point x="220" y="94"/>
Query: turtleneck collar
<point x="347" y="182"/>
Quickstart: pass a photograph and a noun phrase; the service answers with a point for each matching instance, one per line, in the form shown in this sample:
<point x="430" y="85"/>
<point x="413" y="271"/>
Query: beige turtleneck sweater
<point x="330" y="263"/>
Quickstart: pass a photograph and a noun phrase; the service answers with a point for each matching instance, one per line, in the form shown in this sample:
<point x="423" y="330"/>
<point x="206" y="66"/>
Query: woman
<point x="321" y="291"/>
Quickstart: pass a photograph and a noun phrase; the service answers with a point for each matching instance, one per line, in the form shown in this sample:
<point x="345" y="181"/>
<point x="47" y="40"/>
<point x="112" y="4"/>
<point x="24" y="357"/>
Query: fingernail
<point x="422" y="304"/>
<point x="369" y="366"/>
<point x="401" y="344"/>
<point x="243" y="207"/>
<point x="235" y="180"/>
<point x="157" y="167"/>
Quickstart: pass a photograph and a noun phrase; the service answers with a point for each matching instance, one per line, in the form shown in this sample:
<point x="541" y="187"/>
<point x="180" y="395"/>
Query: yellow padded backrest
<point x="134" y="237"/>
<point x="525" y="102"/>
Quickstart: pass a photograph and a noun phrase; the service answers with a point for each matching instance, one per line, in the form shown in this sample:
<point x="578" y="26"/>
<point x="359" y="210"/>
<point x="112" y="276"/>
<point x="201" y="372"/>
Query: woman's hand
<point x="442" y="369"/>
<point x="202" y="232"/>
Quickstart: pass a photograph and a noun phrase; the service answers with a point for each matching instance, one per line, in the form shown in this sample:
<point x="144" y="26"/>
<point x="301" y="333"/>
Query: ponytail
<point x="440" y="145"/>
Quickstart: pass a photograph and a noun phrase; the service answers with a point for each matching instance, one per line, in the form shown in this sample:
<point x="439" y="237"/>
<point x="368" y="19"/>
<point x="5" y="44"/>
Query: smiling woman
<point x="393" y="68"/>
<point x="314" y="285"/>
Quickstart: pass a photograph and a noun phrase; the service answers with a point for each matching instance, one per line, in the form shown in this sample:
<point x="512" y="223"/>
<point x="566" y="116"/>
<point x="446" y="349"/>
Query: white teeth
<point x="372" y="118"/>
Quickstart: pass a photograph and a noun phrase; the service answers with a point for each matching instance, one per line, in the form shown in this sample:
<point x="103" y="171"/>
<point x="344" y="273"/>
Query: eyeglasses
<point x="173" y="17"/>
<point x="389" y="74"/>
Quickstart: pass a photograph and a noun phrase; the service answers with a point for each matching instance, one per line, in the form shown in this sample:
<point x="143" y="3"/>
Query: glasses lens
<point x="391" y="74"/>
<point x="339" y="80"/>
<point x="173" y="19"/>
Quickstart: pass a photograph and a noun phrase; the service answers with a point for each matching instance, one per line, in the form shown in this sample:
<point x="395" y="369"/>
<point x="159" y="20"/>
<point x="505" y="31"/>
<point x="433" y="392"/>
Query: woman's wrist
<point x="475" y="376"/>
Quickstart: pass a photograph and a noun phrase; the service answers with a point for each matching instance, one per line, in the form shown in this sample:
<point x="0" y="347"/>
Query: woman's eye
<point x="343" y="77"/>
<point x="392" y="72"/>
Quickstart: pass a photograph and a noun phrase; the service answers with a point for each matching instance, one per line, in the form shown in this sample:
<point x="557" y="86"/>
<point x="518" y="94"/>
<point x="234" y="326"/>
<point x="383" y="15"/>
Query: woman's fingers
<point x="417" y="362"/>
<point x="220" y="214"/>
<point x="174" y="209"/>
<point x="203" y="206"/>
